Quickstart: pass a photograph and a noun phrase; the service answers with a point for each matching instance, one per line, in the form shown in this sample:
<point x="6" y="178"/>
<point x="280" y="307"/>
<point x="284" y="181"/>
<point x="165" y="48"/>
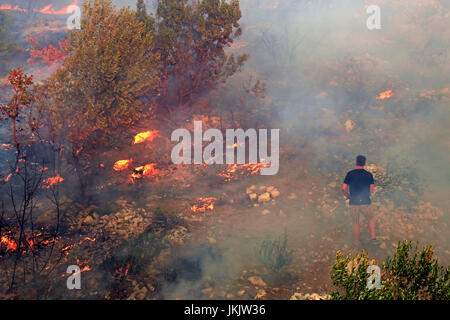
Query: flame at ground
<point x="9" y="7"/>
<point x="249" y="169"/>
<point x="145" y="171"/>
<point x="9" y="243"/>
<point x="147" y="136"/>
<point x="385" y="95"/>
<point x="48" y="9"/>
<point x="122" y="165"/>
<point x="52" y="181"/>
<point x="204" y="204"/>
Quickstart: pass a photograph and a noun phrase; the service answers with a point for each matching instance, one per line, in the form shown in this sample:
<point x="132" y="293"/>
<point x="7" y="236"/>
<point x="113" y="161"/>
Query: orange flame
<point x="52" y="181"/>
<point x="147" y="136"/>
<point x="249" y="169"/>
<point x="145" y="171"/>
<point x="204" y="204"/>
<point x="49" y="9"/>
<point x="385" y="95"/>
<point x="122" y="165"/>
<point x="9" y="7"/>
<point x="10" y="244"/>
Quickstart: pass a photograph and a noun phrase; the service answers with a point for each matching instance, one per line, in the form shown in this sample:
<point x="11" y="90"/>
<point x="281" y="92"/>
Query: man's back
<point x="359" y="181"/>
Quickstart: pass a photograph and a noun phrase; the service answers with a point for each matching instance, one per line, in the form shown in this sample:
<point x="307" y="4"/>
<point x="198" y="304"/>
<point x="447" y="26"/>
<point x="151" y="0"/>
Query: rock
<point x="229" y="296"/>
<point x="265" y="197"/>
<point x="261" y="293"/>
<point x="297" y="296"/>
<point x="383" y="245"/>
<point x="349" y="125"/>
<point x="262" y="188"/>
<point x="253" y="196"/>
<point x="241" y="292"/>
<point x="207" y="290"/>
<point x="257" y="281"/>
<point x="275" y="193"/>
<point x="265" y="212"/>
<point x="292" y="196"/>
<point x="211" y="240"/>
<point x="269" y="189"/>
<point x="88" y="220"/>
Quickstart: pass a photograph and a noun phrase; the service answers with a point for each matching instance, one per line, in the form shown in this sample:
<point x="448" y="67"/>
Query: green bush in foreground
<point x="409" y="275"/>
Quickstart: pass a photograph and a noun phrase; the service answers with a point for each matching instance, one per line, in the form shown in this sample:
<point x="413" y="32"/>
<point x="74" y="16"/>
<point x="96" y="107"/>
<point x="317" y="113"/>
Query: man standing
<point x="357" y="186"/>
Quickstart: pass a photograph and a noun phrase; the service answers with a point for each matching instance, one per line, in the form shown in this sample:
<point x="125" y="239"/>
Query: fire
<point x="48" y="9"/>
<point x="147" y="136"/>
<point x="52" y="181"/>
<point x="203" y="205"/>
<point x="9" y="7"/>
<point x="122" y="165"/>
<point x="145" y="171"/>
<point x="249" y="169"/>
<point x="385" y="95"/>
<point x="10" y="244"/>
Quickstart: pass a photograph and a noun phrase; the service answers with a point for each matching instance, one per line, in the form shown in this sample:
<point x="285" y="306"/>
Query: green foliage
<point x="191" y="39"/>
<point x="409" y="275"/>
<point x="274" y="254"/>
<point x="144" y="17"/>
<point x="109" y="69"/>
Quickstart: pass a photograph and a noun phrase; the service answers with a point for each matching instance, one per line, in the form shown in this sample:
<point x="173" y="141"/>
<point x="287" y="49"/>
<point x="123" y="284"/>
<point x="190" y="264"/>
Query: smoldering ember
<point x="224" y="150"/>
<point x="235" y="140"/>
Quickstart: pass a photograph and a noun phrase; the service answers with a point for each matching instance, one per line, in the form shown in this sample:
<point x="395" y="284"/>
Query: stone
<point x="265" y="197"/>
<point x="257" y="281"/>
<point x="253" y="196"/>
<point x="261" y="293"/>
<point x="241" y="292"/>
<point x="265" y="212"/>
<point x="349" y="125"/>
<point x="207" y="290"/>
<point x="275" y="193"/>
<point x="262" y="188"/>
<point x="88" y="220"/>
<point x="269" y="189"/>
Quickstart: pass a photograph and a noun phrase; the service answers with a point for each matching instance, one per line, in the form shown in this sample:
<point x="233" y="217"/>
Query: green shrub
<point x="274" y="254"/>
<point x="409" y="275"/>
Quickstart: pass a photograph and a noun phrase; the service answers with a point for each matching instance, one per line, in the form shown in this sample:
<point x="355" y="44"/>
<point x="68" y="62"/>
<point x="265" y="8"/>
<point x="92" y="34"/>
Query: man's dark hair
<point x="360" y="161"/>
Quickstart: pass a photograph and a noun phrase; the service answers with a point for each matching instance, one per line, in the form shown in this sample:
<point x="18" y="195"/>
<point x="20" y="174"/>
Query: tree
<point x="104" y="82"/>
<point x="191" y="39"/>
<point x="409" y="275"/>
<point x="144" y="17"/>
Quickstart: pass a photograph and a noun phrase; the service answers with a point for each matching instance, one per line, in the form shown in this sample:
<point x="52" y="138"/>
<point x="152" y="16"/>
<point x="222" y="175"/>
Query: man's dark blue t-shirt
<point x="359" y="181"/>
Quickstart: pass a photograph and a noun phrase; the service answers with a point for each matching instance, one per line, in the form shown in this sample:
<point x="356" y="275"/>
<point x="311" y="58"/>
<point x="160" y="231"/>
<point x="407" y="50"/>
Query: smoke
<point x="326" y="70"/>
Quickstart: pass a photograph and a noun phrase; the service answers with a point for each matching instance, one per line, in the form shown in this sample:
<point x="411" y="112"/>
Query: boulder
<point x="265" y="197"/>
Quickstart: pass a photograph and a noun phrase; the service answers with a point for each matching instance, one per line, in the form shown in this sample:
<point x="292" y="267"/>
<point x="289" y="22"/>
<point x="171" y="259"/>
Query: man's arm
<point x="345" y="190"/>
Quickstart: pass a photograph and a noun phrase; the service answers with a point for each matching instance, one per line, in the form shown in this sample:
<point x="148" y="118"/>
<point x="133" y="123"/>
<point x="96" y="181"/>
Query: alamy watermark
<point x="236" y="139"/>
<point x="74" y="20"/>
<point x="374" y="20"/>
<point x="74" y="280"/>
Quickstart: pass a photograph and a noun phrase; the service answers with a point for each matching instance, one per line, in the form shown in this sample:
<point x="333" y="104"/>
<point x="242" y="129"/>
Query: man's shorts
<point x="365" y="210"/>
